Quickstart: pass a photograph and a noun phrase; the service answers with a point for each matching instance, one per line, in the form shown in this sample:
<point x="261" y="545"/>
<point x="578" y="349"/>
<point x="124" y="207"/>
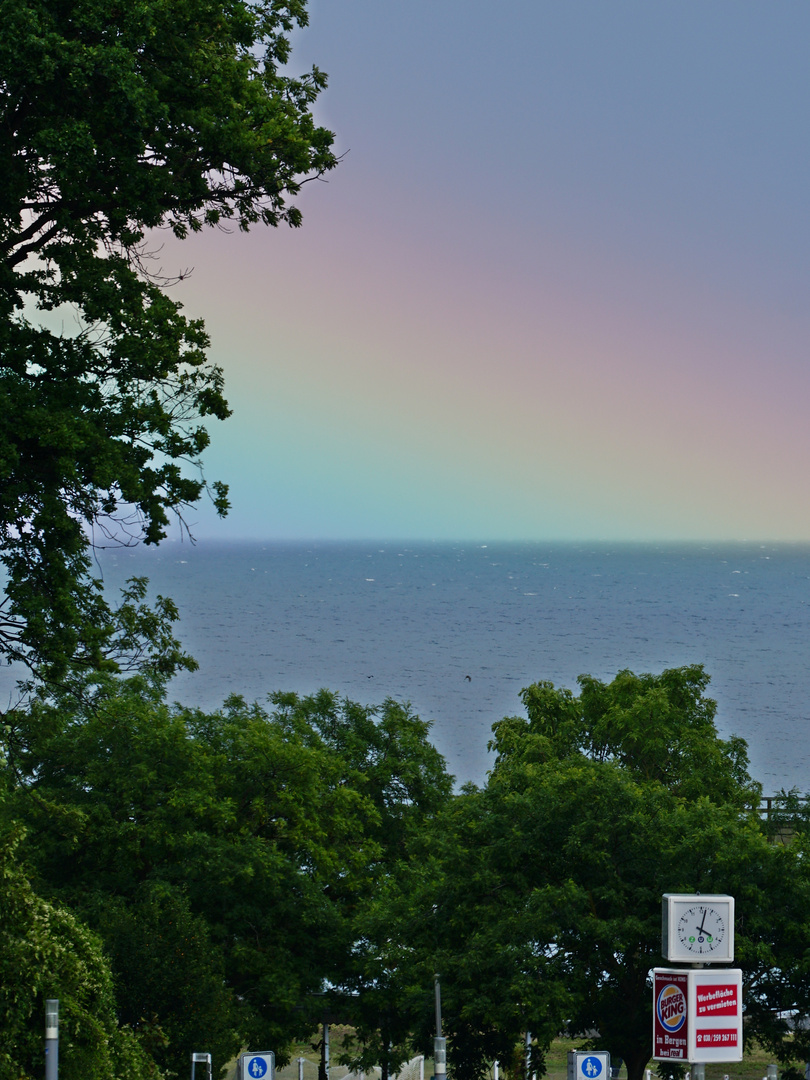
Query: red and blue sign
<point x="697" y="1015"/>
<point x="670" y="1019"/>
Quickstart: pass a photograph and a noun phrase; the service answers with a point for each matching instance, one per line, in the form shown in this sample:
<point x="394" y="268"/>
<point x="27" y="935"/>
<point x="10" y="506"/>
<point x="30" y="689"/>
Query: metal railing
<point x="789" y="805"/>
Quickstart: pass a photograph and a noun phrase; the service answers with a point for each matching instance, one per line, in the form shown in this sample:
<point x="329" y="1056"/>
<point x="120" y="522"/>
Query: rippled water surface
<point x="458" y="630"/>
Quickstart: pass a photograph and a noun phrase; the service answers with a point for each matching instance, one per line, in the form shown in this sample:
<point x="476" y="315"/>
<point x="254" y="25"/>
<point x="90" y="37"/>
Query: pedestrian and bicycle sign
<point x="257" y="1065"/>
<point x="593" y="1065"/>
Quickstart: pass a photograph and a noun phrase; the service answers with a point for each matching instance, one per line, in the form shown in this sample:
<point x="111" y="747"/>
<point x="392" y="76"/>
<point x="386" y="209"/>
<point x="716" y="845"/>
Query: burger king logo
<point x="671" y="1007"/>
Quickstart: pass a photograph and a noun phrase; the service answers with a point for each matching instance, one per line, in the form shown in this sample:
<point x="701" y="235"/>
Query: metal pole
<point x="51" y="1039"/>
<point x="300" y="1068"/>
<point x="204" y="1060"/>
<point x="326" y="1050"/>
<point x="528" y="1054"/>
<point x="439" y="1043"/>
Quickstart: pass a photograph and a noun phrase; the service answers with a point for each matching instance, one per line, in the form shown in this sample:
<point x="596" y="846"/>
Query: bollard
<point x="440" y="1058"/>
<point x="439" y="1043"/>
<point x="51" y="1039"/>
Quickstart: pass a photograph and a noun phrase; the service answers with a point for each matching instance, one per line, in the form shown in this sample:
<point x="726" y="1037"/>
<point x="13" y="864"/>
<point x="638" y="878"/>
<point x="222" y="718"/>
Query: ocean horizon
<point x="459" y="629"/>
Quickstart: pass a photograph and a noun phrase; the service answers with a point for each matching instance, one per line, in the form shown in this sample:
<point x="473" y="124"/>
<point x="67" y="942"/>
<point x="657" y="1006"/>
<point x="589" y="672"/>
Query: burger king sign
<point x="670" y="1019"/>
<point x="697" y="1015"/>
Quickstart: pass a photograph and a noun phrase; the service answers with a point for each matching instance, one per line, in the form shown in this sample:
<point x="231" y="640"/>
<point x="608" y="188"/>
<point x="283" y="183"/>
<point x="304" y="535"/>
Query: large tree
<point x="46" y="952"/>
<point x="225" y="857"/>
<point x="395" y="765"/>
<point x="118" y="119"/>
<point x="203" y="848"/>
<point x="538" y="897"/>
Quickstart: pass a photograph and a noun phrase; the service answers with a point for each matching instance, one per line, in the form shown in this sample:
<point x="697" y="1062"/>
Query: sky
<point x="557" y="289"/>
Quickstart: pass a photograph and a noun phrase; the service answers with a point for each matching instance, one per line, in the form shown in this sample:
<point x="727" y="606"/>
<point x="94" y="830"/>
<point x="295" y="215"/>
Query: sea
<point x="458" y="629"/>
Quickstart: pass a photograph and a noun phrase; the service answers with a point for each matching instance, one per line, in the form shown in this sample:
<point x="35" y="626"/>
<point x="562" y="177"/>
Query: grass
<point x="752" y="1067"/>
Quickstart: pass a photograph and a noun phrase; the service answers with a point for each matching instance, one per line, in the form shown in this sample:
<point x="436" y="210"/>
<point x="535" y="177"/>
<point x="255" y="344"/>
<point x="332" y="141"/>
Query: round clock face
<point x="701" y="929"/>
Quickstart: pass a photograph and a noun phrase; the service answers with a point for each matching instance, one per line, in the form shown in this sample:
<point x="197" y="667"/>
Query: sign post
<point x="204" y="1062"/>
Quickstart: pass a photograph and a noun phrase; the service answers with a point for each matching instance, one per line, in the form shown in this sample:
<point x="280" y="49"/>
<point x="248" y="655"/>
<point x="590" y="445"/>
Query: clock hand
<point x="702" y="921"/>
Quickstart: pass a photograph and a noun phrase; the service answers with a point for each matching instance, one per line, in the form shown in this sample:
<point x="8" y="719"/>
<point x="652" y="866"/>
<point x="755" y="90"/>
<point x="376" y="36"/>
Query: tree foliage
<point x="405" y="778"/>
<point x="223" y="857"/>
<point x="46" y="952"/>
<point x="116" y="120"/>
<point x="538" y="897"/>
<point x="257" y="869"/>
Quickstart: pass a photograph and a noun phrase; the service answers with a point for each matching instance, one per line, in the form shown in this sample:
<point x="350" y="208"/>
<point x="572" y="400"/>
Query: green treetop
<point x="117" y="119"/>
<point x="538" y="897"/>
<point x="224" y="858"/>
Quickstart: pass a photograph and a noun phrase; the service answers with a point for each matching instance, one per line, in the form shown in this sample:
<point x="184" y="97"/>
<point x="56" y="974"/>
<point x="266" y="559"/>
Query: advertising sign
<point x="697" y="1015"/>
<point x="715" y="1003"/>
<point x="670" y="1015"/>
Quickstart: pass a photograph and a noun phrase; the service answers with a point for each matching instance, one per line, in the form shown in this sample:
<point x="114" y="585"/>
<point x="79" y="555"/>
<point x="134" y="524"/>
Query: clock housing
<point x="697" y="929"/>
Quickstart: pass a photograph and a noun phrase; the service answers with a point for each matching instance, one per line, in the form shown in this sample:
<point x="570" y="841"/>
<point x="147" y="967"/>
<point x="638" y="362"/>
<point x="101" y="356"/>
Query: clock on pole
<point x="697" y="929"/>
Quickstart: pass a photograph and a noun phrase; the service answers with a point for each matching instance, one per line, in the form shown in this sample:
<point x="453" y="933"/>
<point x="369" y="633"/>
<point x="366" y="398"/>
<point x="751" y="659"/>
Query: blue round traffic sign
<point x="591" y="1067"/>
<point x="256" y="1068"/>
